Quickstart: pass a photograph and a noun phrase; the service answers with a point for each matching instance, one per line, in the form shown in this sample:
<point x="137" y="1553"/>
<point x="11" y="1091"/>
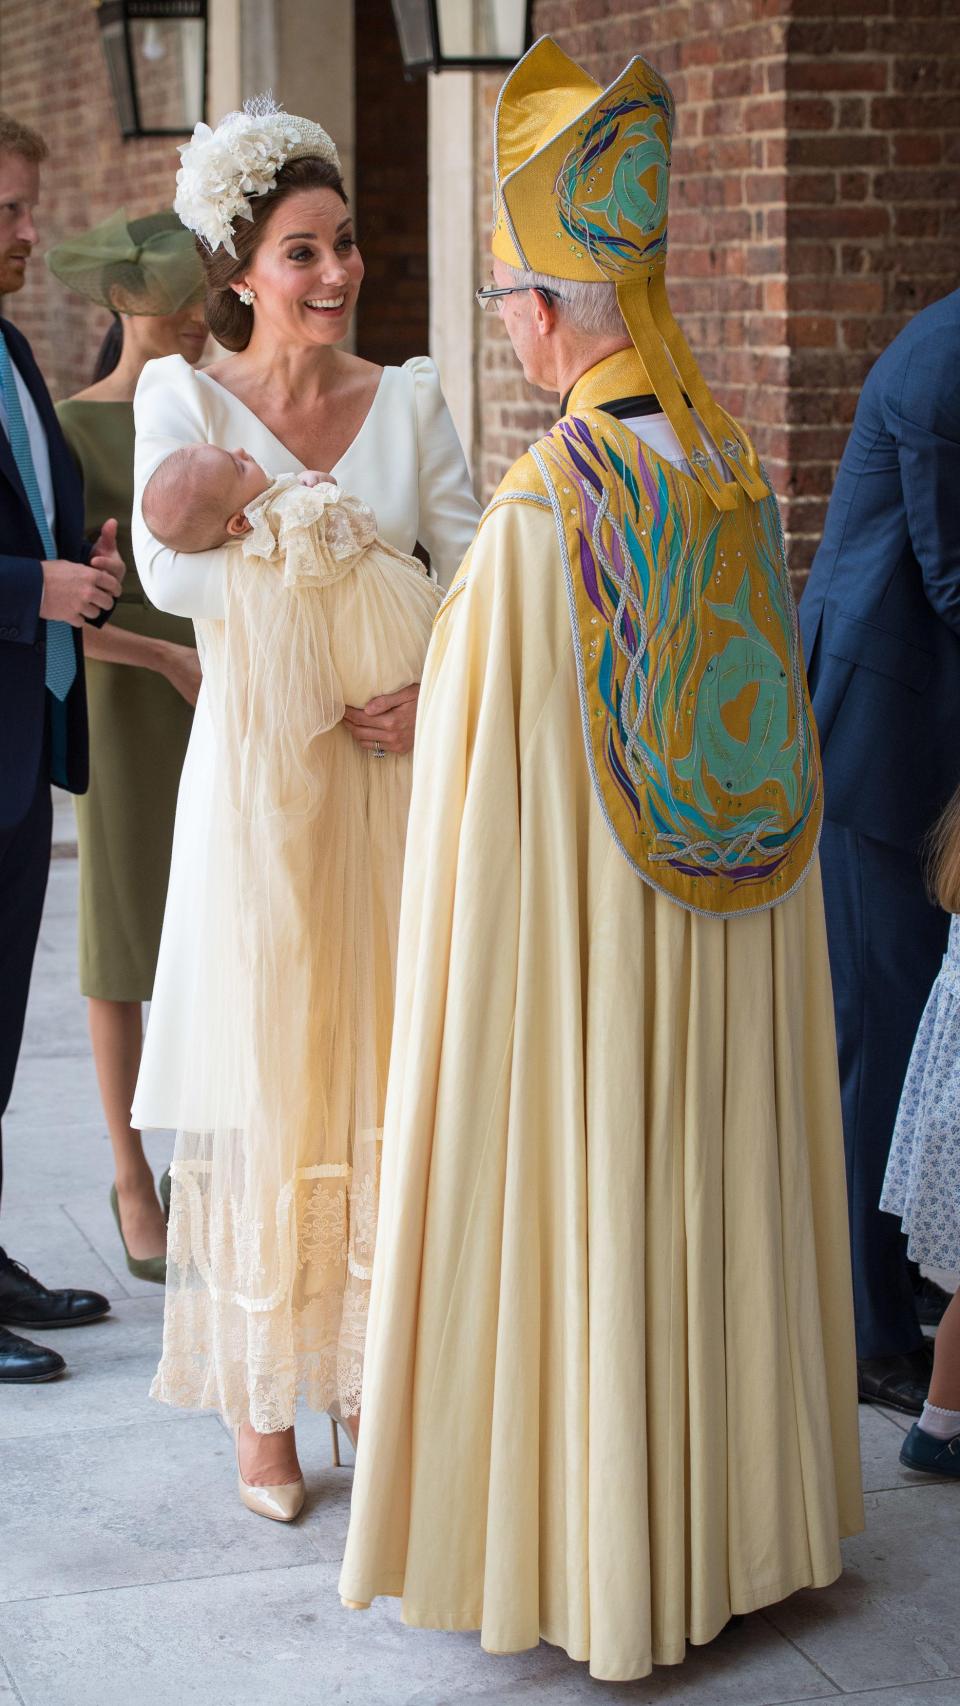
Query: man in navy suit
<point x="880" y="620"/>
<point x="50" y="584"/>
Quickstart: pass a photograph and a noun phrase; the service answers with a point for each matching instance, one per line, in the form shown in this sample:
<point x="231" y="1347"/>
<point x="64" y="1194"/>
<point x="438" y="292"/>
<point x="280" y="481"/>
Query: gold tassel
<point x="737" y="451"/>
<point x="633" y="297"/>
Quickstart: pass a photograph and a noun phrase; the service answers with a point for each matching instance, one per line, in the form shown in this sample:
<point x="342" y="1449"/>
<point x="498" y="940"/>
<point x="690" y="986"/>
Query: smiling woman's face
<point x="306" y="271"/>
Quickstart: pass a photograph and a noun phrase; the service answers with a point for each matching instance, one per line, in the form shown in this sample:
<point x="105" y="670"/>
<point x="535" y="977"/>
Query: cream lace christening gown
<point x="288" y="990"/>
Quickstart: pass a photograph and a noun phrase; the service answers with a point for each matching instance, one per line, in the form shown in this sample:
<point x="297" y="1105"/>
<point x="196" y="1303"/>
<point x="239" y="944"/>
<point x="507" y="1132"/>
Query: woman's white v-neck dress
<point x="407" y="463"/>
<point x="269" y="1033"/>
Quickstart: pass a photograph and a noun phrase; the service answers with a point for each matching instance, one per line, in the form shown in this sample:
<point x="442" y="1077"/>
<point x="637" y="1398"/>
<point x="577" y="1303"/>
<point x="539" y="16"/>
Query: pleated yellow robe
<point x="609" y="1393"/>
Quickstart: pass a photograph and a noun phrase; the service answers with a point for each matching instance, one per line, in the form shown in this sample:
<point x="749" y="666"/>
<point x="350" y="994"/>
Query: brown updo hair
<point x="229" y="319"/>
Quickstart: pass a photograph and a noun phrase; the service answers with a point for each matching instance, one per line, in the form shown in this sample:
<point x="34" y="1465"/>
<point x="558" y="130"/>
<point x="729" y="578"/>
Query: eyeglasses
<point x="489" y="297"/>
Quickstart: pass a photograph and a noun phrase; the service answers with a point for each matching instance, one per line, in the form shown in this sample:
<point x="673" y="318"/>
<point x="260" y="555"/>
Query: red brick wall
<point x="53" y="76"/>
<point x="723" y="60"/>
<point x="393" y="316"/>
<point x="873" y="211"/>
<point x="815" y="205"/>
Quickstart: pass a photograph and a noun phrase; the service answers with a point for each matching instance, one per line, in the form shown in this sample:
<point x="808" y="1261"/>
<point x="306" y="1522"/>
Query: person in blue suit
<point x="51" y="582"/>
<point x="880" y="619"/>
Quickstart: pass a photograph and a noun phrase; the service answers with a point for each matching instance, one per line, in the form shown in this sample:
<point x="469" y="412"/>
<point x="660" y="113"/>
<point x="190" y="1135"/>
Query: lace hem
<point x="321" y="1379"/>
<point x="262" y="1308"/>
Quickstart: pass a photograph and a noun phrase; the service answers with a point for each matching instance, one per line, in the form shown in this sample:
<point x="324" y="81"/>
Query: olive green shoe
<point x="142" y="1267"/>
<point x="164" y="1188"/>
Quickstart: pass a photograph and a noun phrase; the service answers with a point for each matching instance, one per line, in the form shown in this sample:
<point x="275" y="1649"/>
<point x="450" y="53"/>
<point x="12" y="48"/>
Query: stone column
<point x="455" y="271"/>
<point x="225" y="90"/>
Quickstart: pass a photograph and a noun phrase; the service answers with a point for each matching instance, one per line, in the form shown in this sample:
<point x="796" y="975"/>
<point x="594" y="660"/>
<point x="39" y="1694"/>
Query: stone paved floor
<point x="131" y="1576"/>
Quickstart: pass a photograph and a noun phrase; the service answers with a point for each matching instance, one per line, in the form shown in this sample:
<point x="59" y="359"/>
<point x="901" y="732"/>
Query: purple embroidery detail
<point x="616" y="555"/>
<point x="583" y="432"/>
<point x="583" y="468"/>
<point x="619" y="774"/>
<point x="588" y="569"/>
<point x="649" y="485"/>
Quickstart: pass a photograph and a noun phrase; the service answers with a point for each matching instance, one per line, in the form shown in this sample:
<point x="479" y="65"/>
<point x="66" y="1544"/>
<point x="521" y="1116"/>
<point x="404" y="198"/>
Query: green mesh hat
<point x="136" y="266"/>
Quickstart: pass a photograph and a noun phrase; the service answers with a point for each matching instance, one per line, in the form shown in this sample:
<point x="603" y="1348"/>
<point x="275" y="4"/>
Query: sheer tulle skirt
<point x="276" y="1167"/>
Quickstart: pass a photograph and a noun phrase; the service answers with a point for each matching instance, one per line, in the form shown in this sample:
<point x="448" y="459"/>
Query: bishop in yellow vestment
<point x="609" y="1394"/>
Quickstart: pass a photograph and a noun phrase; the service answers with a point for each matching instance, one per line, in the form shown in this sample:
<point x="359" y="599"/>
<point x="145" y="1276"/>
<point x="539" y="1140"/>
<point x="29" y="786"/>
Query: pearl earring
<point x="247" y="296"/>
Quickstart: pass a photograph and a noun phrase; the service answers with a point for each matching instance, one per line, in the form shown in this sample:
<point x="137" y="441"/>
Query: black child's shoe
<point x="23" y="1363"/>
<point x="934" y="1456"/>
<point x="24" y="1302"/>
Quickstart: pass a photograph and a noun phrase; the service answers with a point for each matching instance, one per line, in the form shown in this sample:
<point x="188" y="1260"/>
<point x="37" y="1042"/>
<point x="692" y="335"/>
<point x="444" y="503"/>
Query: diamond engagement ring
<point x="378" y="751"/>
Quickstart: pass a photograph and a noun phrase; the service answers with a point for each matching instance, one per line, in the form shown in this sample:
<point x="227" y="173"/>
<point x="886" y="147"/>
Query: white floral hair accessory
<point x="222" y="168"/>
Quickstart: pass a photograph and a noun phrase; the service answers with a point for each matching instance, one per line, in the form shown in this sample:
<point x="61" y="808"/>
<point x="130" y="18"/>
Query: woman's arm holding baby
<point x="168" y="414"/>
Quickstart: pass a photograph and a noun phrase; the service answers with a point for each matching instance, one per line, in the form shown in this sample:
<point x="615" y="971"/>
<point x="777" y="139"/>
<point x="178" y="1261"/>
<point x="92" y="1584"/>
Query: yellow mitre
<point x="581" y="179"/>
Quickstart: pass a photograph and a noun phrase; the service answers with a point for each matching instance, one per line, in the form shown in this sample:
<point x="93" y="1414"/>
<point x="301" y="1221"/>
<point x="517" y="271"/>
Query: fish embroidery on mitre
<point x="621" y="220"/>
<point x="695" y="708"/>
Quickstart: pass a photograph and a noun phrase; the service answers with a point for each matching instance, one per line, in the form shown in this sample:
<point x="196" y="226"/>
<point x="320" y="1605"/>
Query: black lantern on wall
<point x="462" y="35"/>
<point x="156" y="53"/>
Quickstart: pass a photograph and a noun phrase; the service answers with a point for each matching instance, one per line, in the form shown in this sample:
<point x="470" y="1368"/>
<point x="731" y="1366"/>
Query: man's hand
<point x="78" y="592"/>
<point x="388" y="721"/>
<point x="73" y="592"/>
<point x="105" y="554"/>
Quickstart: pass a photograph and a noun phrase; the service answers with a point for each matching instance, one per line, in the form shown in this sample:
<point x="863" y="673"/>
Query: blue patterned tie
<point x="61" y="656"/>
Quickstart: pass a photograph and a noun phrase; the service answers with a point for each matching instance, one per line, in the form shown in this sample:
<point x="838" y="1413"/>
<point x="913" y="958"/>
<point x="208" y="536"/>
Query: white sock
<point x="942" y="1424"/>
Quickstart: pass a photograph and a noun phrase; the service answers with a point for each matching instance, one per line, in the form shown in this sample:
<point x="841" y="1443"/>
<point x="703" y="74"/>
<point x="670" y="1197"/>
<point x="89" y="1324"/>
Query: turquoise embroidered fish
<point x="739" y="766"/>
<point x="627" y="200"/>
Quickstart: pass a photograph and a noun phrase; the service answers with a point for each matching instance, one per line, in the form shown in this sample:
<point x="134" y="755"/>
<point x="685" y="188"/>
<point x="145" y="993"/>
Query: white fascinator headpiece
<point x="222" y="168"/>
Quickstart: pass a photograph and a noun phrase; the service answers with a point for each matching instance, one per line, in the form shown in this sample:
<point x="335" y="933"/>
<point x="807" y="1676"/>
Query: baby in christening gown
<point x="277" y="1216"/>
<point x="201" y="497"/>
<point x="321" y="613"/>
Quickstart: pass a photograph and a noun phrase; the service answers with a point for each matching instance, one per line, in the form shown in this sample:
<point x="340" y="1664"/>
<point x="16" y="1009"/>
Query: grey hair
<point x="592" y="308"/>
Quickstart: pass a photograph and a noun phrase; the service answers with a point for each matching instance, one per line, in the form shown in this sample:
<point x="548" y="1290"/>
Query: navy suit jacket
<point x="880" y="615"/>
<point x="24" y="709"/>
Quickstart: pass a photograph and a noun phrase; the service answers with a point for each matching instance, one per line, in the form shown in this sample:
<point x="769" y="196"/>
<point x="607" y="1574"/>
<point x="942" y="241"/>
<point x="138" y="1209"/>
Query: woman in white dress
<point x="261" y="1310"/>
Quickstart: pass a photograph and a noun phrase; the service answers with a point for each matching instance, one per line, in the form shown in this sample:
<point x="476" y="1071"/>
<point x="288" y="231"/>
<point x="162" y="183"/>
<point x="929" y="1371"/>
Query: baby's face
<point x="196" y="498"/>
<point x="238" y="477"/>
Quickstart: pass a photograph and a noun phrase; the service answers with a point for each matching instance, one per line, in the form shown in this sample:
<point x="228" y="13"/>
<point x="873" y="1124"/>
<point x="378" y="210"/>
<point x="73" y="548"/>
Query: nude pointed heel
<point x="281" y="1504"/>
<point x="338" y="1421"/>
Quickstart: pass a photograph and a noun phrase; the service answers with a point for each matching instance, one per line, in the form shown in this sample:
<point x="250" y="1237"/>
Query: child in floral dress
<point x="922" y="1183"/>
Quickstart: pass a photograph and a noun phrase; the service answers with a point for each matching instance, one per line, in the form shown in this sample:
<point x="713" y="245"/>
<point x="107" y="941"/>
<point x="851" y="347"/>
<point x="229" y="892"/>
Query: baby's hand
<point x="313" y="477"/>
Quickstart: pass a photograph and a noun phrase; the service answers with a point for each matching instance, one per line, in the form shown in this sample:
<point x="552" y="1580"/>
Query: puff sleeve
<point x="449" y="511"/>
<point x="168" y="414"/>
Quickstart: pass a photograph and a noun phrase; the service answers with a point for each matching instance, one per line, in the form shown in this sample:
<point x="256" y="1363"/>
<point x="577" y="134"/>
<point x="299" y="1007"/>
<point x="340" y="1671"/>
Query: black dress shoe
<point x="931" y="1301"/>
<point x="899" y="1382"/>
<point x="23" y="1363"/>
<point x="24" y="1302"/>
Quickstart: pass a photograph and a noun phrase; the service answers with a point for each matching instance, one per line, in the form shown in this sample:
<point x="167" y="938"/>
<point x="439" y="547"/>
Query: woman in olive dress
<point x="142" y="683"/>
